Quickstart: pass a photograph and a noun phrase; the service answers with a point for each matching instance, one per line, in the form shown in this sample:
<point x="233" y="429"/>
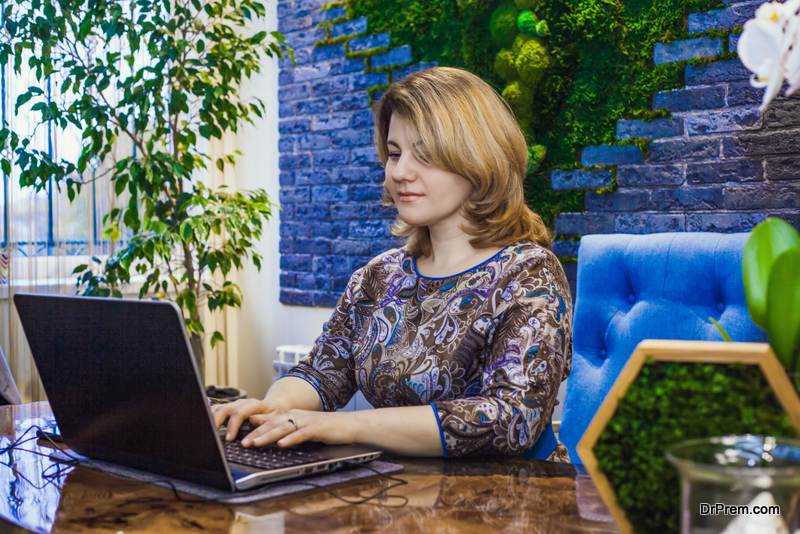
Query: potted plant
<point x="667" y="393"/>
<point x="672" y="391"/>
<point x="771" y="264"/>
<point x="647" y="409"/>
<point x="162" y="78"/>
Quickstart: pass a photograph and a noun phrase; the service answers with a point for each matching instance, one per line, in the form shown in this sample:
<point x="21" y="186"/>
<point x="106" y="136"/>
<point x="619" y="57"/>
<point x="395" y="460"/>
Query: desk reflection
<point x="503" y="495"/>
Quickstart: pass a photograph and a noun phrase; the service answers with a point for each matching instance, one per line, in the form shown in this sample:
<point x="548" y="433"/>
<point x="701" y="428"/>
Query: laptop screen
<point x="123" y="385"/>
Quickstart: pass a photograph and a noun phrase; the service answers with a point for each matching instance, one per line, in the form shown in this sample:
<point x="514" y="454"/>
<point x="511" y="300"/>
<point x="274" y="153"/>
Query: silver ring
<point x="296" y="428"/>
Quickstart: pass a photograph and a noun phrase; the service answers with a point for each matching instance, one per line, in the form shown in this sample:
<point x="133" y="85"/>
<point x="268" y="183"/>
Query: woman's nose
<point x="403" y="170"/>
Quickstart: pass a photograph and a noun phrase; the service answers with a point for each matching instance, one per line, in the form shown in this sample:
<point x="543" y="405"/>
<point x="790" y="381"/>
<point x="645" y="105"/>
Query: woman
<point x="461" y="338"/>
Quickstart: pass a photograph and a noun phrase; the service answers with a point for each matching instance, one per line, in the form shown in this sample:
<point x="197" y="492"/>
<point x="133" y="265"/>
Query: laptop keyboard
<point x="269" y="457"/>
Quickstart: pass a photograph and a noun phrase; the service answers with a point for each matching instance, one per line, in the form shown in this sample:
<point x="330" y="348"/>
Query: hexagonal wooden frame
<point x="679" y="351"/>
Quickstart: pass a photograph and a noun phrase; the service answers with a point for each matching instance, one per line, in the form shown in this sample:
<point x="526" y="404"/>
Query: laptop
<point x="124" y="388"/>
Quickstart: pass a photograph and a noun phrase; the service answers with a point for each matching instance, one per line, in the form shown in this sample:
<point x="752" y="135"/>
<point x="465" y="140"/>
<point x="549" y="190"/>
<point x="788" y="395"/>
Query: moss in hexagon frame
<point x="669" y="402"/>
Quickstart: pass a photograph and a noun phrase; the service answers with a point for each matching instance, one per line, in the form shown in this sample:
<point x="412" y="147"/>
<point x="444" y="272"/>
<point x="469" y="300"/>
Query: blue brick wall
<point x="331" y="219"/>
<point x="716" y="165"/>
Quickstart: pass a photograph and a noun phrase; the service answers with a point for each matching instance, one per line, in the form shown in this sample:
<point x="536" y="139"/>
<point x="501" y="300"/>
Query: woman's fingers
<point x="269" y="432"/>
<point x="297" y="437"/>
<point x="221" y="411"/>
<point x="259" y="419"/>
<point x="330" y="428"/>
<point x="238" y="412"/>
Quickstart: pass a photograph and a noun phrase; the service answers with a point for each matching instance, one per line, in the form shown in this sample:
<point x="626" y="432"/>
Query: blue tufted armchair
<point x="657" y="286"/>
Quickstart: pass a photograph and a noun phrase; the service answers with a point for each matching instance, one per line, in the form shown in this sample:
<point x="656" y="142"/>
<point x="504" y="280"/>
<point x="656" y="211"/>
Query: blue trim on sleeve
<point x="441" y="432"/>
<point x="324" y="408"/>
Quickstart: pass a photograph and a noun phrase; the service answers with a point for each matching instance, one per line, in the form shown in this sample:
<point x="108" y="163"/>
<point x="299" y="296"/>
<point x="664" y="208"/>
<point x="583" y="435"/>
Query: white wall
<point x="263" y="322"/>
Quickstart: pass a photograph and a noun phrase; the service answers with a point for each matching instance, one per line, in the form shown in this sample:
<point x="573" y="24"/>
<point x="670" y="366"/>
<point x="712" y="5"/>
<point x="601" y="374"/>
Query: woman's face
<point x="424" y="195"/>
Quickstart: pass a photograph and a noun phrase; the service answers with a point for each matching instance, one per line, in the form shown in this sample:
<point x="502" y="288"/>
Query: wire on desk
<point x="157" y="480"/>
<point x="48" y="477"/>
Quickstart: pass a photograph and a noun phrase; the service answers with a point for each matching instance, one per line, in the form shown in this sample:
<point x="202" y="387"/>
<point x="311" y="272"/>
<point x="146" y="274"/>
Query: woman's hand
<point x="240" y="411"/>
<point x="332" y="428"/>
<point x="287" y="393"/>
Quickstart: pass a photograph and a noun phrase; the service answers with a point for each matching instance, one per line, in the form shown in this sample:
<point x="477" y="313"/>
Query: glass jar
<point x="739" y="484"/>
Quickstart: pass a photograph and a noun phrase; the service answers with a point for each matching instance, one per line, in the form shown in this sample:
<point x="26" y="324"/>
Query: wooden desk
<point x="458" y="496"/>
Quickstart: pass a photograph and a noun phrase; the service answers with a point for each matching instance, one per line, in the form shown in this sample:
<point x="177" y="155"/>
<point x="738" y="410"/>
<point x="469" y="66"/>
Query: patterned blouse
<point x="486" y="348"/>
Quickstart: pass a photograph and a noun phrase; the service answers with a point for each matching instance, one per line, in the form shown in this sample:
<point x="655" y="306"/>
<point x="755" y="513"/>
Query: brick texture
<point x="715" y="165"/>
<point x="332" y="221"/>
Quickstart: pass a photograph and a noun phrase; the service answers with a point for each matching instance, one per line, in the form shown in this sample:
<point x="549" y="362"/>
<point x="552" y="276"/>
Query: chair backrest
<point x="9" y="394"/>
<point x="656" y="286"/>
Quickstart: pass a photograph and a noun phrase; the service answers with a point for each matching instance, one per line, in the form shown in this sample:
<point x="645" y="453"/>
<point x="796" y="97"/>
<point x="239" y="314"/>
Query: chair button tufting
<point x="631" y="298"/>
<point x="720" y="307"/>
<point x="603" y="353"/>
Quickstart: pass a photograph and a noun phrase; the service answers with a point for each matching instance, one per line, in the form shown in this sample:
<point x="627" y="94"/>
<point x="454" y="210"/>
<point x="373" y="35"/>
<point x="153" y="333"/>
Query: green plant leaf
<point x="783" y="309"/>
<point x="216" y="336"/>
<point x="768" y="241"/>
<point x="722" y="331"/>
<point x="186" y="230"/>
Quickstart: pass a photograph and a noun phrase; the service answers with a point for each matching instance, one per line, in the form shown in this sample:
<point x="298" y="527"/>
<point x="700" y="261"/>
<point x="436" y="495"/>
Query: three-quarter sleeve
<point x="525" y="362"/>
<point x="329" y="367"/>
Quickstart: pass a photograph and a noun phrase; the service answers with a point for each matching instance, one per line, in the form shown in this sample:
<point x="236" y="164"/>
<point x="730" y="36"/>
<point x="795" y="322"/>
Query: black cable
<point x="399" y="482"/>
<point x="163" y="480"/>
<point x="15" y="445"/>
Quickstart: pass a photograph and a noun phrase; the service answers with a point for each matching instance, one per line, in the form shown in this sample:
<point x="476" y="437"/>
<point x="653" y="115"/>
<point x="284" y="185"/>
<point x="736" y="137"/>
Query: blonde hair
<point x="455" y="121"/>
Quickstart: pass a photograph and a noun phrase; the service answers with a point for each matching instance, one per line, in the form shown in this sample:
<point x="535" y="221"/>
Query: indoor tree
<point x="160" y="77"/>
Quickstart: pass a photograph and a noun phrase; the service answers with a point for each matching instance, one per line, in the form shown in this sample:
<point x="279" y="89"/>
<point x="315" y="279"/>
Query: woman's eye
<point x="394" y="155"/>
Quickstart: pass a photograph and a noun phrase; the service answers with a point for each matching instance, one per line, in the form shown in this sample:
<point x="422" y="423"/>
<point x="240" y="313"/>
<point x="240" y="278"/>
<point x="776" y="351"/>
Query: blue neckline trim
<point x="414" y="264"/>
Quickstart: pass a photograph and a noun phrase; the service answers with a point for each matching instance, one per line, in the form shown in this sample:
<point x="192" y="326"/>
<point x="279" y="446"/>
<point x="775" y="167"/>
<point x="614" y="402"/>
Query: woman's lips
<point x="408" y="197"/>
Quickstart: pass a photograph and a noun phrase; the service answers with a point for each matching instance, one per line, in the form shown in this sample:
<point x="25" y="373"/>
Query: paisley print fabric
<point x="486" y="348"/>
<point x="561" y="454"/>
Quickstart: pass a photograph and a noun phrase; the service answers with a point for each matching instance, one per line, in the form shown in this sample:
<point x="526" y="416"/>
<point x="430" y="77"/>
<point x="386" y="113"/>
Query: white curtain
<point x="44" y="237"/>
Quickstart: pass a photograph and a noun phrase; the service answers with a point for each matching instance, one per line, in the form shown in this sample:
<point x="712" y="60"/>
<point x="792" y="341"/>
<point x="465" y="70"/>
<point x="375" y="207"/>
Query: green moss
<point x="503" y="24"/>
<point x="642" y="142"/>
<point x="375" y="89"/>
<point x="536" y="155"/>
<point x="526" y="23"/>
<point x="670" y="402"/>
<point x="519" y="97"/>
<point x="335" y="40"/>
<point x="614" y="183"/>
<point x="601" y="67"/>
<point x="532" y="61"/>
<point x="569" y="237"/>
<point x="365" y="53"/>
<point x="505" y="64"/>
<point x="519" y="42"/>
<point x="450" y="32"/>
<point x="703" y="60"/>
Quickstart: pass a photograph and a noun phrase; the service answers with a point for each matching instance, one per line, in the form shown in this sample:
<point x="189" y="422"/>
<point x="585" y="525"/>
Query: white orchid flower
<point x="759" y="49"/>
<point x="770" y="12"/>
<point x="791" y="54"/>
<point x="776" y="12"/>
